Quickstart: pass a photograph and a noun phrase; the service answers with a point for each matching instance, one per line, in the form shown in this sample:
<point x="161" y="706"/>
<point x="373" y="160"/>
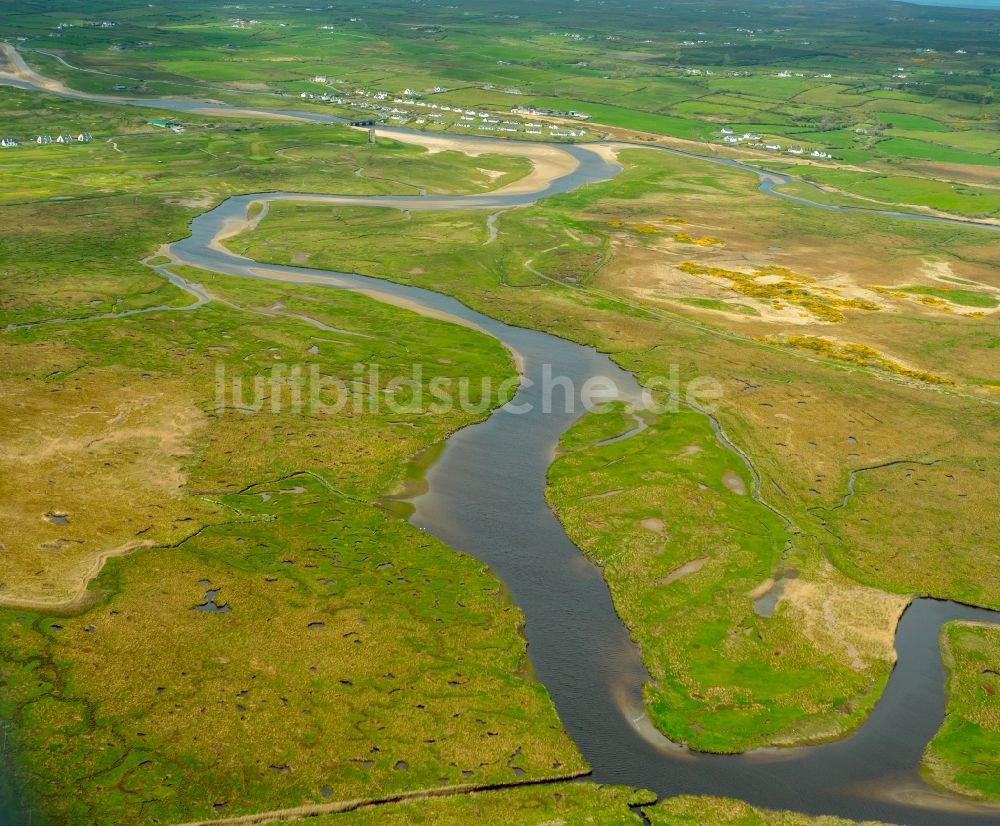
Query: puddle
<point x="211" y="605"/>
<point x="57" y="518"/>
<point x="316" y="625"/>
<point x="765" y="603"/>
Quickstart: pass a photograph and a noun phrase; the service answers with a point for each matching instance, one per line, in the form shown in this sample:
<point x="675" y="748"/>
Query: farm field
<point x="214" y="605"/>
<point x="915" y="99"/>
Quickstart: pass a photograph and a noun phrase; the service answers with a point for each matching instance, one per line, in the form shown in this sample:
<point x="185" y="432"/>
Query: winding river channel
<point x="485" y="496"/>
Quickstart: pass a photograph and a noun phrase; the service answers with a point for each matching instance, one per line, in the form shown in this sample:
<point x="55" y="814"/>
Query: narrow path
<point x="341" y="806"/>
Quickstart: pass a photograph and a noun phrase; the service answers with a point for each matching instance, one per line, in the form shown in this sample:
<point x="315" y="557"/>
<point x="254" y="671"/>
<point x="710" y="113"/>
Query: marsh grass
<point x="806" y="422"/>
<point x="962" y="756"/>
<point x="685" y="549"/>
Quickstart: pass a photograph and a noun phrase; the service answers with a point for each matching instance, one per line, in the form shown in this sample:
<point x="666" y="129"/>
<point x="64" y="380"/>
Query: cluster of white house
<point x="787" y="73"/>
<point x="753" y="141"/>
<point x="559" y="113"/>
<point x="46" y="140"/>
<point x="407" y="107"/>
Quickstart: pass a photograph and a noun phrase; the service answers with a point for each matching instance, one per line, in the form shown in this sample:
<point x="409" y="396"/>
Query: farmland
<point x="915" y="98"/>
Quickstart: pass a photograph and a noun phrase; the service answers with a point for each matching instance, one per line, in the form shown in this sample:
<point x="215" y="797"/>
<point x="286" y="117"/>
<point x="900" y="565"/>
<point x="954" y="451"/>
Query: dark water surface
<point x="486" y="497"/>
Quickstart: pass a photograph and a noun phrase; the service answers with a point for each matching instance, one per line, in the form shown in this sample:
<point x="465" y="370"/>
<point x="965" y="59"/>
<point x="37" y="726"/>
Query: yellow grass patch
<point x="91" y="464"/>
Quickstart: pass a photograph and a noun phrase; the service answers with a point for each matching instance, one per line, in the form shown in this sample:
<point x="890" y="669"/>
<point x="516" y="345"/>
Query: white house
<point x="64" y="139"/>
<point x="84" y="137"/>
<point x="726" y="130"/>
<point x="9" y="142"/>
<point x="731" y="139"/>
<point x="773" y="147"/>
<point x="44" y="139"/>
<point x="818" y="153"/>
<point x="795" y="150"/>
